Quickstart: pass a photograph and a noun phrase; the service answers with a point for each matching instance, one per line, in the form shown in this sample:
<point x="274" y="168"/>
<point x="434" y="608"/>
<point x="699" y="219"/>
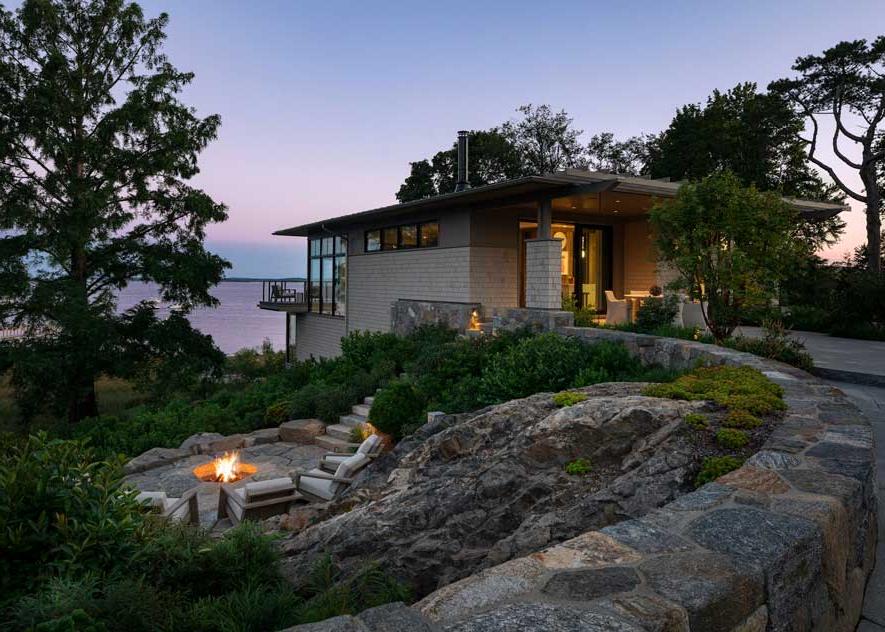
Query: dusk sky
<point x="324" y="104"/>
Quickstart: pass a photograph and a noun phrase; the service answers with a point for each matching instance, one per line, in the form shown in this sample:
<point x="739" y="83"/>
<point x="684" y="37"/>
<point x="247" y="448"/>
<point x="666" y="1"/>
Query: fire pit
<point x="225" y="469"/>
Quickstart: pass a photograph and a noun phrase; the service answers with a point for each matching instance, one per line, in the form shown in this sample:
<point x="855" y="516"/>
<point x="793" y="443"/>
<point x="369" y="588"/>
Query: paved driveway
<point x="838" y="354"/>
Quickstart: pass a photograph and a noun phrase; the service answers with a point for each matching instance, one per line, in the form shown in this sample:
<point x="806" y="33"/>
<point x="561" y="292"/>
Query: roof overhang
<point x="529" y="189"/>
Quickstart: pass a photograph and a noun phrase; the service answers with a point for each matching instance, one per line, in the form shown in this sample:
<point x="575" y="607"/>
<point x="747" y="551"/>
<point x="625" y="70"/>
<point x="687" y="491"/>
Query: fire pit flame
<point x="224" y="469"/>
<point x="227" y="467"/>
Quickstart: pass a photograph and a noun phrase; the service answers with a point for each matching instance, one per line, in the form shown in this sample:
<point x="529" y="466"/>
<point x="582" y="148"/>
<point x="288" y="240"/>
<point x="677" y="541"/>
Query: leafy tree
<point x="731" y="245"/>
<point x="541" y="142"/>
<point x="95" y="153"/>
<point x="492" y="158"/>
<point x="545" y="140"/>
<point x="747" y="132"/>
<point x="630" y="157"/>
<point x="847" y="82"/>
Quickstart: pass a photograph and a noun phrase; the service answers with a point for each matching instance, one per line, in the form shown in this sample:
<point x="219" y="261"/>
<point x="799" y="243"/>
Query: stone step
<point x="339" y="431"/>
<point x="332" y="444"/>
<point x="362" y="410"/>
<point x="368" y="401"/>
<point x="352" y="420"/>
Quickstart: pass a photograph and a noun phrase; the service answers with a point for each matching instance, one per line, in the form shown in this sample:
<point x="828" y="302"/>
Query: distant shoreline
<point x="256" y="279"/>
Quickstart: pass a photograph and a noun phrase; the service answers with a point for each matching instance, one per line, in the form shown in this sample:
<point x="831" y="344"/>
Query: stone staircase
<point x="337" y="437"/>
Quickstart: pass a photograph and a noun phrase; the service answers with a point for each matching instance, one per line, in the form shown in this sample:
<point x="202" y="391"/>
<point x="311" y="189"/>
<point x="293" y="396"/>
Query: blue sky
<point x="324" y="104"/>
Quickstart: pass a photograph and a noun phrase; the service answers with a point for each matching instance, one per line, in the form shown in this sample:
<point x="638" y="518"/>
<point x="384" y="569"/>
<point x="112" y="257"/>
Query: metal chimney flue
<point x="461" y="184"/>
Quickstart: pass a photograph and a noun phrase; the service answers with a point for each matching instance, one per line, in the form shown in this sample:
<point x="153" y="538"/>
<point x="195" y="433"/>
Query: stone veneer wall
<point x="786" y="542"/>
<point x="406" y="316"/>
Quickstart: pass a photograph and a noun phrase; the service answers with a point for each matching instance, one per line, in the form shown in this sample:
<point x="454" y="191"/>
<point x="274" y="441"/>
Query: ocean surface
<point x="236" y="323"/>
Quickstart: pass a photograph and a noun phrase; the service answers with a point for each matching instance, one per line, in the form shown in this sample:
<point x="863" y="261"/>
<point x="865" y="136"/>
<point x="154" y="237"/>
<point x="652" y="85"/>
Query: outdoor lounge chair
<point x="617" y="311"/>
<point x="371" y="447"/>
<point x="317" y="485"/>
<point x="256" y="500"/>
<point x="182" y="509"/>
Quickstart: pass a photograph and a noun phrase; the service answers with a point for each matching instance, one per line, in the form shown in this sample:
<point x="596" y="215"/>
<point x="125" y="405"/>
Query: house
<point x="508" y="251"/>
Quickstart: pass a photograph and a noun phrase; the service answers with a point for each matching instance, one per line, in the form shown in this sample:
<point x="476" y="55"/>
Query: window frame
<point x="399" y="237"/>
<point x="316" y="261"/>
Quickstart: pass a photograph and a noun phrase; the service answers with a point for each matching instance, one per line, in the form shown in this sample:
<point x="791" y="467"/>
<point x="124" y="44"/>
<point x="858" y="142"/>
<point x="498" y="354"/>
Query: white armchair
<point x="616" y="311"/>
<point x="184" y="509"/>
<point x="321" y="486"/>
<point x="256" y="500"/>
<point x="371" y="447"/>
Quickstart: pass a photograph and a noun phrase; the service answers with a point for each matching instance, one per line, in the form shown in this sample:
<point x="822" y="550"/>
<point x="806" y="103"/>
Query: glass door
<point x="592" y="267"/>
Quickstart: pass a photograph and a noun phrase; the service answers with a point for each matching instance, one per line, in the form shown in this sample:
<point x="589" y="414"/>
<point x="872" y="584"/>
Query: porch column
<point x="543" y="284"/>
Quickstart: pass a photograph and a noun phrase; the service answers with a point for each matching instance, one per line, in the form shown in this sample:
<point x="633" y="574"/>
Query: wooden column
<point x="545" y="219"/>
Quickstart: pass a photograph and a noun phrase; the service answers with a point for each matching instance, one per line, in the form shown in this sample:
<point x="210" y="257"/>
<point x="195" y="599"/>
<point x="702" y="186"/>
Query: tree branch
<point x="830" y="171"/>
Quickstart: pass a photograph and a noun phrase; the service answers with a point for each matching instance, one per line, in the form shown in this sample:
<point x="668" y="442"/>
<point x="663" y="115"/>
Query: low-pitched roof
<point x="562" y="182"/>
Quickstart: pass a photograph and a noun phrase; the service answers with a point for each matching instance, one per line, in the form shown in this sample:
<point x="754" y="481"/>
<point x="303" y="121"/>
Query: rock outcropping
<point x="476" y="490"/>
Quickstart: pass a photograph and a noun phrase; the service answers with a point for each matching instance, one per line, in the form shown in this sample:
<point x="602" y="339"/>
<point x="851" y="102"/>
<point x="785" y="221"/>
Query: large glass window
<point x="373" y="240"/>
<point x="424" y="235"/>
<point x="429" y="234"/>
<point x="408" y="236"/>
<point x="389" y="238"/>
<point x="328" y="275"/>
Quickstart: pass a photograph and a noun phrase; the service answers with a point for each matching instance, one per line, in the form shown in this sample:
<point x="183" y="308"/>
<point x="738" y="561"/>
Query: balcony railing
<point x="283" y="293"/>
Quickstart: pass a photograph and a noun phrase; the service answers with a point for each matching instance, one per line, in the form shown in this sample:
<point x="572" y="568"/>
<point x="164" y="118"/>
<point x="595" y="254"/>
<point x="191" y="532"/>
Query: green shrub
<point x="775" y="344"/>
<point x="251" y="364"/>
<point x="568" y="398"/>
<point x="732" y="387"/>
<point x="808" y="318"/>
<point x="578" y="467"/>
<point x="398" y="408"/>
<point x="275" y="414"/>
<point x="731" y="438"/>
<point x="61" y="511"/>
<point x="739" y="418"/>
<point x="655" y="312"/>
<point x="547" y="362"/>
<point x="715" y="466"/>
<point x="696" y="421"/>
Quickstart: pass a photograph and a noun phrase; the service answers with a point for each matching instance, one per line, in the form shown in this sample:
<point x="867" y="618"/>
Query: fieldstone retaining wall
<point x="786" y="542"/>
<point x="408" y="315"/>
<point x="513" y="318"/>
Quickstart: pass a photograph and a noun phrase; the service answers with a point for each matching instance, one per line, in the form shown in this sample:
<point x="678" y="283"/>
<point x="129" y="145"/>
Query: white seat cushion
<point x="264" y="490"/>
<point x="367" y="446"/>
<point x="324" y="489"/>
<point x="348" y="468"/>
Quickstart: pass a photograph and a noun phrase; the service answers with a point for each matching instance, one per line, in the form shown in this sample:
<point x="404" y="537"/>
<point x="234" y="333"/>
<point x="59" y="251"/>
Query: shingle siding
<point x="377" y="280"/>
<point x="640" y="267"/>
<point x="318" y="336"/>
<point x="481" y="275"/>
<point x="494" y="277"/>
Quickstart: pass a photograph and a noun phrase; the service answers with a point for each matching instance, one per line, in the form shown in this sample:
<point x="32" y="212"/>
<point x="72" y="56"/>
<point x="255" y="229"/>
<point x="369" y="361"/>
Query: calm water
<point x="235" y="323"/>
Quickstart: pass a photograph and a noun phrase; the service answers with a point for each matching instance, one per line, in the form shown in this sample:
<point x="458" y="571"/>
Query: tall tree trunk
<point x="874" y="234"/>
<point x="874" y="219"/>
<point x="83" y="401"/>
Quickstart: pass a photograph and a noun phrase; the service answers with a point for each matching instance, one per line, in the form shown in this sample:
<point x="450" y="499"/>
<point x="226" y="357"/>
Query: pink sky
<point x="324" y="106"/>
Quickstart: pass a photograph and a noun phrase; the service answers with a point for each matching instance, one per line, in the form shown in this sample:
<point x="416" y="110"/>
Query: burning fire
<point x="227" y="467"/>
<point x="224" y="469"/>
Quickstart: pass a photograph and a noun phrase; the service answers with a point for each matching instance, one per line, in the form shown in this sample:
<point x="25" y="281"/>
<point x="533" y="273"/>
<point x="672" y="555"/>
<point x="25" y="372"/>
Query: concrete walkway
<point x="871" y="400"/>
<point x="842" y="359"/>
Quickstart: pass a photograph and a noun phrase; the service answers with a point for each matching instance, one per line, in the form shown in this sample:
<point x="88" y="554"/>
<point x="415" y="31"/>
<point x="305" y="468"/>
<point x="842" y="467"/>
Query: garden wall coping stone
<point x="786" y="542"/>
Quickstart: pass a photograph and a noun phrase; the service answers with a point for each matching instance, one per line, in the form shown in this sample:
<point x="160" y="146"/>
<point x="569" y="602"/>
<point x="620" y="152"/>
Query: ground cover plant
<point x="745" y="407"/>
<point x="464" y="374"/>
<point x="81" y="554"/>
